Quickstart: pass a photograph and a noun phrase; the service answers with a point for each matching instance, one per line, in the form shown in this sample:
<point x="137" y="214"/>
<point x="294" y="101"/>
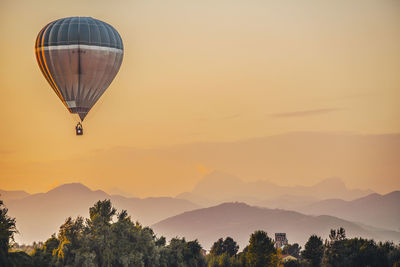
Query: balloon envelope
<point x="79" y="57"/>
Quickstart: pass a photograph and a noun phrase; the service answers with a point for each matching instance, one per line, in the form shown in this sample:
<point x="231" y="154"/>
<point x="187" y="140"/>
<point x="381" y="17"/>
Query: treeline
<point x="100" y="241"/>
<point x="339" y="251"/>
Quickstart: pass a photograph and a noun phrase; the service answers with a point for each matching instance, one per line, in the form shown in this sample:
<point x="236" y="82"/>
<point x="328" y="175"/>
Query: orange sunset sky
<point x="200" y="72"/>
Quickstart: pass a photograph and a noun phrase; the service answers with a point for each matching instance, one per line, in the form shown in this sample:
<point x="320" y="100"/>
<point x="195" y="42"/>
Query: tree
<point x="43" y="252"/>
<point x="160" y="242"/>
<point x="102" y="212"/>
<point x="358" y="252"/>
<point x="292" y="250"/>
<point x="222" y="260"/>
<point x="261" y="251"/>
<point x="71" y="241"/>
<point x="99" y="224"/>
<point x="19" y="258"/>
<point x="221" y="246"/>
<point x="7" y="231"/>
<point x="180" y="253"/>
<point x="230" y="246"/>
<point x="336" y="235"/>
<point x="125" y="236"/>
<point x="314" y="250"/>
<point x="292" y="264"/>
<point x="241" y="257"/>
<point x="192" y="254"/>
<point x="217" y="248"/>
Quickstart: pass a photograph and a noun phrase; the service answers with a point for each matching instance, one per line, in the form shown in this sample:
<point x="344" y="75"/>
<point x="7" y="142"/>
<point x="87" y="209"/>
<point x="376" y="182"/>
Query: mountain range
<point x="218" y="187"/>
<point x="328" y="197"/>
<point x="361" y="160"/>
<point x="239" y="220"/>
<point x="11" y="195"/>
<point x="376" y="216"/>
<point x="40" y="215"/>
<point x="374" y="209"/>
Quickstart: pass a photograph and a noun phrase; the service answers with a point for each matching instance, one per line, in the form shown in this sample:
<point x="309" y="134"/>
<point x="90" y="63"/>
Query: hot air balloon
<point x="79" y="57"/>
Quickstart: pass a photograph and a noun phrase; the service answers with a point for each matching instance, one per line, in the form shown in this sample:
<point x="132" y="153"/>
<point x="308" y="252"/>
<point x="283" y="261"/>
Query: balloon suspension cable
<point x="75" y="118"/>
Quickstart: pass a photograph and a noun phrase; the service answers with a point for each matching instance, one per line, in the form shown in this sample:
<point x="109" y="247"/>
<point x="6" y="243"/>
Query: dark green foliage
<point x="361" y="252"/>
<point x="261" y="251"/>
<point x="7" y="231"/>
<point x="43" y="253"/>
<point x="292" y="264"/>
<point x="228" y="246"/>
<point x="180" y="253"/>
<point x="223" y="253"/>
<point x="221" y="260"/>
<point x="292" y="250"/>
<point x="71" y="242"/>
<point x="18" y="259"/>
<point x="100" y="241"/>
<point x="394" y="256"/>
<point x="313" y="251"/>
<point x="218" y="247"/>
<point x="100" y="233"/>
<point x="160" y="242"/>
<point x="241" y="257"/>
<point x="339" y="234"/>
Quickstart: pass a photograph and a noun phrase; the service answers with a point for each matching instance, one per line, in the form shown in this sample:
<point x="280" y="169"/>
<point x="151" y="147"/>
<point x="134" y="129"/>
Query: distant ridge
<point x="218" y="187"/>
<point x="72" y="188"/>
<point x="361" y="160"/>
<point x="40" y="215"/>
<point x="12" y="195"/>
<point x="239" y="220"/>
<point x="375" y="209"/>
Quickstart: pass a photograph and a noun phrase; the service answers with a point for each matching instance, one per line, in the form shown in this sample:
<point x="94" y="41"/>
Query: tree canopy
<point x="7" y="231"/>
<point x="314" y="250"/>
<point x="109" y="238"/>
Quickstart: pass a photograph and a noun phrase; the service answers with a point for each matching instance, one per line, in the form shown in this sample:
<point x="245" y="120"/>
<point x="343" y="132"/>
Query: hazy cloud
<point x="304" y="113"/>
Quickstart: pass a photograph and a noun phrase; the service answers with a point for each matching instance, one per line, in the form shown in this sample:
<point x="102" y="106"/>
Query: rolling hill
<point x="375" y="209"/>
<point x="239" y="220"/>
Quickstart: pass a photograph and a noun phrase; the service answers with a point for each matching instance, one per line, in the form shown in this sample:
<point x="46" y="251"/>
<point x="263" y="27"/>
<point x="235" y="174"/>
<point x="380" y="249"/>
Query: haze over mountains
<point x="375" y="209"/>
<point x="304" y="158"/>
<point x="328" y="197"/>
<point x="218" y="187"/>
<point x="239" y="220"/>
<point x="40" y="215"/>
<point x="363" y="161"/>
<point x="11" y="195"/>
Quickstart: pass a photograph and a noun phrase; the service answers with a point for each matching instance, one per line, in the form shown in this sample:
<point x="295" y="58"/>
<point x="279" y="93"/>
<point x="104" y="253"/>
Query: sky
<point x="198" y="71"/>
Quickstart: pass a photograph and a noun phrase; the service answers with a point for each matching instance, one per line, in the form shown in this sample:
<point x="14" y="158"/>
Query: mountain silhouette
<point x="374" y="209"/>
<point x="239" y="220"/>
<point x="11" y="195"/>
<point x="218" y="187"/>
<point x="40" y="215"/>
<point x="287" y="202"/>
<point x="361" y="160"/>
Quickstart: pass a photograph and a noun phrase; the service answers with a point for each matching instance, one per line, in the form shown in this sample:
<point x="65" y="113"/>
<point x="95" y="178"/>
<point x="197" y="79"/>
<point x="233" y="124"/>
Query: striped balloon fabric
<point x="79" y="57"/>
